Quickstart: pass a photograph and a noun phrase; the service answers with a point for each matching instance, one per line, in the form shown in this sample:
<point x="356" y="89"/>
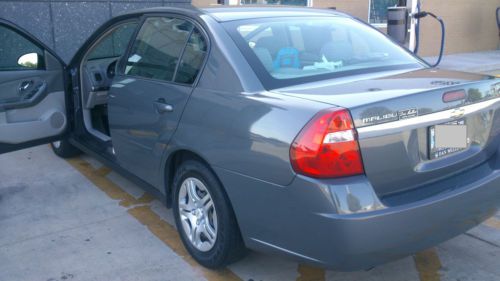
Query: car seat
<point x="270" y="44"/>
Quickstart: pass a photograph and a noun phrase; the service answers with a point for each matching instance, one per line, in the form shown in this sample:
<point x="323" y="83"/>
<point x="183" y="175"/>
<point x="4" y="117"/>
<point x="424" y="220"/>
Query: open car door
<point x="32" y="91"/>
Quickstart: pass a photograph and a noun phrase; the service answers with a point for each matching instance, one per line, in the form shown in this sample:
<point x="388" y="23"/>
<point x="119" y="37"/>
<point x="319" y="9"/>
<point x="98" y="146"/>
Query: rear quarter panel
<point x="247" y="133"/>
<point x="233" y="123"/>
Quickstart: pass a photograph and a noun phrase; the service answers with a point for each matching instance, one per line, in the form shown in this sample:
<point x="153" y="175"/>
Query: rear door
<point x="32" y="97"/>
<point x="151" y="90"/>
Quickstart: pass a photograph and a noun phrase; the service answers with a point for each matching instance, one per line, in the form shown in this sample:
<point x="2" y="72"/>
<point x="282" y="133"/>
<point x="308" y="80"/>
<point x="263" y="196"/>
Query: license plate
<point x="447" y="138"/>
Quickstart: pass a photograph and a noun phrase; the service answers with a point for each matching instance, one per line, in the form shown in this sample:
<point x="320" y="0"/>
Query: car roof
<point x="223" y="14"/>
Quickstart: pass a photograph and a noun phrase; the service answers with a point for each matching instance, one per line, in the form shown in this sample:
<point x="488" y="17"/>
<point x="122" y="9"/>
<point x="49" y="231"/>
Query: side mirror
<point x="30" y="60"/>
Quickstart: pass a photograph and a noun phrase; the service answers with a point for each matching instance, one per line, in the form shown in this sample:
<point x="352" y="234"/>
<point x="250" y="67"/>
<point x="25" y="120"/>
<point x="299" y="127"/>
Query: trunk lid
<point x="396" y="114"/>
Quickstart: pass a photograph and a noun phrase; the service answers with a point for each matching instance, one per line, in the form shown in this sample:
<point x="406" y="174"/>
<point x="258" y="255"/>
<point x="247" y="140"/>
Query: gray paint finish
<point x="65" y="25"/>
<point x="244" y="132"/>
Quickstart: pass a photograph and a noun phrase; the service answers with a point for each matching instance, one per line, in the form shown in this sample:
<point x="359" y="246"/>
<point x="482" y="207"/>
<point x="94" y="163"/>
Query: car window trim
<point x="196" y="24"/>
<point x="123" y="61"/>
<point x="181" y="56"/>
<point x="206" y="37"/>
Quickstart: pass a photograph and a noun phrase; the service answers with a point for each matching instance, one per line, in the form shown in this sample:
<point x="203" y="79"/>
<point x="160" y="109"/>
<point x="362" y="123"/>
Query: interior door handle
<point x="162" y="106"/>
<point x="28" y="90"/>
<point x="25" y="85"/>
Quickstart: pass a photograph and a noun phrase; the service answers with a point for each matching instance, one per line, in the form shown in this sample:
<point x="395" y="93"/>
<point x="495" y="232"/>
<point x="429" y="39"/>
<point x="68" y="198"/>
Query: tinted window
<point x="192" y="59"/>
<point x="13" y="46"/>
<point x="114" y="44"/>
<point x="300" y="50"/>
<point x="158" y="47"/>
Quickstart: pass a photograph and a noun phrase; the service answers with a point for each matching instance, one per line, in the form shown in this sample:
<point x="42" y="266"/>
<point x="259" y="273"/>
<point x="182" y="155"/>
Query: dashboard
<point x="98" y="76"/>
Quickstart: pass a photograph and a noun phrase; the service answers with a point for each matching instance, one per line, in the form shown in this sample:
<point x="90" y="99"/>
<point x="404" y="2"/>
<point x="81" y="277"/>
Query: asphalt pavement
<point x="78" y="220"/>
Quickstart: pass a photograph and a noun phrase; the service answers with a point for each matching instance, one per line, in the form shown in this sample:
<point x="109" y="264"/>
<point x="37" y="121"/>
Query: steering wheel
<point x="111" y="71"/>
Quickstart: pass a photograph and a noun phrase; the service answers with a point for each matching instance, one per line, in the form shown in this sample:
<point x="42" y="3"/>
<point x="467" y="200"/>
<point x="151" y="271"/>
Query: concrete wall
<point x="470" y="26"/>
<point x="357" y="8"/>
<point x="64" y="25"/>
<point x="204" y="3"/>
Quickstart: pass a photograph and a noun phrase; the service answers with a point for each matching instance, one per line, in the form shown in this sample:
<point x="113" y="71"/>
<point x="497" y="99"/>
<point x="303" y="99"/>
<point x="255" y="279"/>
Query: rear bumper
<point x="302" y="220"/>
<point x="367" y="240"/>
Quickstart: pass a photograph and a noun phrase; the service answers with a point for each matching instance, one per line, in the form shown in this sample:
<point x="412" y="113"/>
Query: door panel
<point x="149" y="95"/>
<point x="32" y="97"/>
<point x="20" y="89"/>
<point x="45" y="119"/>
<point x="139" y="130"/>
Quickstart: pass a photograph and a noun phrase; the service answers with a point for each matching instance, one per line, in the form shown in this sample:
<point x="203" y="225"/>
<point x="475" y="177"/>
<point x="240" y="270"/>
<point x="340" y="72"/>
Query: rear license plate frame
<point x="435" y="152"/>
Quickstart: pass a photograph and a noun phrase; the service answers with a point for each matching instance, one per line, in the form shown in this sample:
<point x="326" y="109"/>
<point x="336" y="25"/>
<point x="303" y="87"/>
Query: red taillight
<point x="327" y="146"/>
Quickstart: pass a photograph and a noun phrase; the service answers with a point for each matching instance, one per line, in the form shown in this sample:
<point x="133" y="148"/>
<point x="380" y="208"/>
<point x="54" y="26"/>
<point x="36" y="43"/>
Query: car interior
<point x="294" y="50"/>
<point x="97" y="73"/>
<point x="299" y="46"/>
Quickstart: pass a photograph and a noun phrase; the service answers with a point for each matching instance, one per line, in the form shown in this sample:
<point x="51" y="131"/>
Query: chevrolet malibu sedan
<point x="300" y="132"/>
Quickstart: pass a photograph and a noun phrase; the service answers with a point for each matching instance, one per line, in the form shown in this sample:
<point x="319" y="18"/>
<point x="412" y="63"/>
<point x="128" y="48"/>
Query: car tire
<point x="227" y="247"/>
<point x="64" y="149"/>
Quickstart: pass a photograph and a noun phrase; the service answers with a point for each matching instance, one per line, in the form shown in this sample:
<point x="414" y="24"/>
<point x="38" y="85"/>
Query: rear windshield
<point x="295" y="50"/>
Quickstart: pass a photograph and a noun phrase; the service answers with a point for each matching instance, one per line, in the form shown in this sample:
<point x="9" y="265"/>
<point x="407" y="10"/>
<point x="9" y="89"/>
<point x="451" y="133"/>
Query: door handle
<point x="25" y="85"/>
<point x="30" y="90"/>
<point x="162" y="106"/>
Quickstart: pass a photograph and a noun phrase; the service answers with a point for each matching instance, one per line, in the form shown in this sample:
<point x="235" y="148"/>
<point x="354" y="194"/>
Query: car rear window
<point x="295" y="50"/>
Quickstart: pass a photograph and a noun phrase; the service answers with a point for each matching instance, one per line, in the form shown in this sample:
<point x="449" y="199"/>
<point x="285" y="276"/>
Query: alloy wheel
<point x="197" y="213"/>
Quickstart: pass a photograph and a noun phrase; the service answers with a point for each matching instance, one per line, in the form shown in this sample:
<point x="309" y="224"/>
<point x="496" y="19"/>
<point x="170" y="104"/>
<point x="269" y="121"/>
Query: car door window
<point x="192" y="58"/>
<point x="115" y="43"/>
<point x="17" y="52"/>
<point x="157" y="48"/>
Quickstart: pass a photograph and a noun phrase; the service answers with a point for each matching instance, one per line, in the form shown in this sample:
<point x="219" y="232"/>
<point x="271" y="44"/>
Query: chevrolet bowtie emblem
<point x="457" y="113"/>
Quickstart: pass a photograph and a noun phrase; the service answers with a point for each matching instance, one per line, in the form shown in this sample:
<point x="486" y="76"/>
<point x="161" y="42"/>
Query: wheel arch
<point x="174" y="161"/>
